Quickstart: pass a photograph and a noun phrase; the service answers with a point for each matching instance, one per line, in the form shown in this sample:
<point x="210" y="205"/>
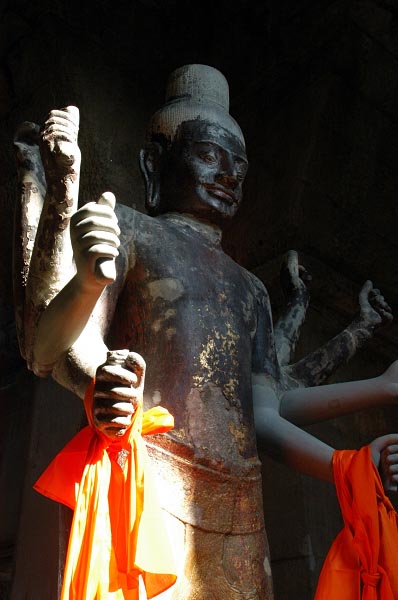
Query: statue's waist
<point x="217" y="500"/>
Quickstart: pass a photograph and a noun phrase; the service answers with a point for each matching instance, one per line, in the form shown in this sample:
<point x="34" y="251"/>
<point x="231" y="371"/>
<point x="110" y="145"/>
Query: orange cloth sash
<point x="362" y="563"/>
<point x="117" y="530"/>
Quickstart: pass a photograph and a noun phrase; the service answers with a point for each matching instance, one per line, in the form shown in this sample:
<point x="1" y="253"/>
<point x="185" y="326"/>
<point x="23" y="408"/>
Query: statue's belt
<point x="210" y="499"/>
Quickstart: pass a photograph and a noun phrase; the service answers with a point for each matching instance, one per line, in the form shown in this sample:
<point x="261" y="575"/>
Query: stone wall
<point x="314" y="85"/>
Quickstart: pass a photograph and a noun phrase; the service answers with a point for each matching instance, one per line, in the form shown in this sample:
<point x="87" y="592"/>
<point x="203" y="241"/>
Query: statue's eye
<point x="208" y="157"/>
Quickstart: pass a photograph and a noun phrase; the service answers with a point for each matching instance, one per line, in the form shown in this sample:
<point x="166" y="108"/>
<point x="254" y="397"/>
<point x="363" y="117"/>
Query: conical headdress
<point x="194" y="92"/>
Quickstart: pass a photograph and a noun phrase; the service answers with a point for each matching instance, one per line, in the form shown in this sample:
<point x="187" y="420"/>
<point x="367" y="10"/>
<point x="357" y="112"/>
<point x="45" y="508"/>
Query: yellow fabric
<point x="117" y="531"/>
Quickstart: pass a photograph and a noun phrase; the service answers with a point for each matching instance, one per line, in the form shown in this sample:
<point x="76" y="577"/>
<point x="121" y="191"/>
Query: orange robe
<point x="117" y="530"/>
<point x="362" y="563"/>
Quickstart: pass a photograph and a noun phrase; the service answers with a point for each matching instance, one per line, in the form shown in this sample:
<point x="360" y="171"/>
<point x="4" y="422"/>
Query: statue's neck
<point x="212" y="233"/>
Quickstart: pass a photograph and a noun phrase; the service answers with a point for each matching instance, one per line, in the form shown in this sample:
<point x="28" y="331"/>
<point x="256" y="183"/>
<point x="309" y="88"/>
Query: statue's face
<point x="204" y="172"/>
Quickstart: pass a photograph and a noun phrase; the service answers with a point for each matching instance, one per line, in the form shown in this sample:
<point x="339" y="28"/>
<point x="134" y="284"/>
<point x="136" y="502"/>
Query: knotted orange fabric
<point x="117" y="531"/>
<point x="362" y="563"/>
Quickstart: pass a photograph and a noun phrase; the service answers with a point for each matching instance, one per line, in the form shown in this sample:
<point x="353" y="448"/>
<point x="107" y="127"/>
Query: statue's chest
<point x="196" y="283"/>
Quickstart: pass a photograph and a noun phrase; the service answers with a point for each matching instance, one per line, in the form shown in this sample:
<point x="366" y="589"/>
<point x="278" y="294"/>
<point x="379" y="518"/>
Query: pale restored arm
<point x="94" y="233"/>
<point x="289" y="444"/>
<point x="284" y="441"/>
<point x="304" y="406"/>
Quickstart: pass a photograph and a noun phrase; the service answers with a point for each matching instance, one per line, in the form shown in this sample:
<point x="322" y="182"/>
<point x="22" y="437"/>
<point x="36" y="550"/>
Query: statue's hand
<point x="58" y="144"/>
<point x="385" y="456"/>
<point x="118" y="389"/>
<point x="294" y="277"/>
<point x="374" y="310"/>
<point x="95" y="241"/>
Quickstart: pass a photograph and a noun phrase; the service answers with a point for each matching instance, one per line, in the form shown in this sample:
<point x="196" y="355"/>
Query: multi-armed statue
<point x="203" y="325"/>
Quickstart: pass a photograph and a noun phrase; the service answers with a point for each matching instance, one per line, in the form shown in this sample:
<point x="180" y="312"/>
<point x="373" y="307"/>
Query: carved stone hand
<point x="294" y="277"/>
<point x="118" y="390"/>
<point x="95" y="241"/>
<point x="58" y="144"/>
<point x="374" y="310"/>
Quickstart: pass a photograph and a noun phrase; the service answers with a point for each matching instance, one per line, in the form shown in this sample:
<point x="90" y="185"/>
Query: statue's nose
<point x="227" y="180"/>
<point x="227" y="175"/>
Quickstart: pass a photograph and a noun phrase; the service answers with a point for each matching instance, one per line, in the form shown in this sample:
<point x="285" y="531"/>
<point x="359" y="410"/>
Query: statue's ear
<point x="150" y="164"/>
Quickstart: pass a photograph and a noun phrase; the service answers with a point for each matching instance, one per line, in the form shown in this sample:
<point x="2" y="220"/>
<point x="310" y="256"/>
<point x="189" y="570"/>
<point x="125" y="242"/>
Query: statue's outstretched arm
<point x="304" y="406"/>
<point x="278" y="414"/>
<point x="294" y="279"/>
<point x="315" y="368"/>
<point x="289" y="444"/>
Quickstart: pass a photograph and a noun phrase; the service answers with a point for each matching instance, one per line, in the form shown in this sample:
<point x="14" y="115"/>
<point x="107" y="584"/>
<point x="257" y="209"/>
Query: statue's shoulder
<point x="131" y="222"/>
<point x="258" y="287"/>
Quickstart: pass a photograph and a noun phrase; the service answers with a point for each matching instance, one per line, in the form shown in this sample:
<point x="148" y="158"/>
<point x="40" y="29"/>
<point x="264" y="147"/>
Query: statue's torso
<point x="192" y="313"/>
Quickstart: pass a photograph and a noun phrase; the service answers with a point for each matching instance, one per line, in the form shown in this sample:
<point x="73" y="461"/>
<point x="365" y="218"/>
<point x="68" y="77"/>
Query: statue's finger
<point x="69" y="112"/>
<point x="116" y="374"/>
<point x="107" y="199"/>
<point x="115" y="408"/>
<point x="292" y="262"/>
<point x="136" y="364"/>
<point x="92" y="238"/>
<point x="59" y="129"/>
<point x="85" y="224"/>
<point x="108" y="393"/>
<point x="304" y="275"/>
<point x="364" y="293"/>
<point x="386" y="314"/>
<point x="105" y="268"/>
<point x="390" y="450"/>
<point x="379" y="300"/>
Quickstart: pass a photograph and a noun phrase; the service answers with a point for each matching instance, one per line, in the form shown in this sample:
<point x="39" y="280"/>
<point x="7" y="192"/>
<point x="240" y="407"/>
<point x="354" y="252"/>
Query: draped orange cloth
<point x="117" y="530"/>
<point x="362" y="563"/>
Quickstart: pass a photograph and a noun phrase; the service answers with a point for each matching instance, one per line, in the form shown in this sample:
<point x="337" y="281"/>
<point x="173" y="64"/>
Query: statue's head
<point x="194" y="160"/>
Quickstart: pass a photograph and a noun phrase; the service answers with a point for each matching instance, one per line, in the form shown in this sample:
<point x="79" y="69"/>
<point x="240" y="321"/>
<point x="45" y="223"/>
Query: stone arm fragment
<point x="51" y="263"/>
<point x="315" y="368"/>
<point x="294" y="280"/>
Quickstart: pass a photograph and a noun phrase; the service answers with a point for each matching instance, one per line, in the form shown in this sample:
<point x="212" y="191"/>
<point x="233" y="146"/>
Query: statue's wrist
<point x="299" y="296"/>
<point x="360" y="329"/>
<point x="88" y="285"/>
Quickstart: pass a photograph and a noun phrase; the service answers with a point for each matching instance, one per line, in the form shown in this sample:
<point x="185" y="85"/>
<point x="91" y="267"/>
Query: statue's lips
<point x="221" y="192"/>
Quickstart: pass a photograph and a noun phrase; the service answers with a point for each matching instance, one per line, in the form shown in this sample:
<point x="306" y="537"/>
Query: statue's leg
<point x="219" y="566"/>
<point x="216" y="525"/>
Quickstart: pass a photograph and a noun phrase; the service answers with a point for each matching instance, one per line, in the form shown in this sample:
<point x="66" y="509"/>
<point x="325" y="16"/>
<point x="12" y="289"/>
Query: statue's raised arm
<point x="70" y="265"/>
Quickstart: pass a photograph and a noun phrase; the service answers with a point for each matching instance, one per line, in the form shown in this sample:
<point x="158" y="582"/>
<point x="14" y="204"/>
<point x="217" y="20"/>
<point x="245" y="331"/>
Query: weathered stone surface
<point x="314" y="87"/>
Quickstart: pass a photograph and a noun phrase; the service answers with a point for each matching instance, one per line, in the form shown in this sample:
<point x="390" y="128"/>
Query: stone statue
<point x="161" y="285"/>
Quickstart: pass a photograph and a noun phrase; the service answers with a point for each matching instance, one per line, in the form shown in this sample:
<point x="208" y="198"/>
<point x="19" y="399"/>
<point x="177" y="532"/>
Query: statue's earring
<point x="150" y="163"/>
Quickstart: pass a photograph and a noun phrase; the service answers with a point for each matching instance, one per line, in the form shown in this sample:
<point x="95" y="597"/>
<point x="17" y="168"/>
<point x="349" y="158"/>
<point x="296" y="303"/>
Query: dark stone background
<point x="314" y="85"/>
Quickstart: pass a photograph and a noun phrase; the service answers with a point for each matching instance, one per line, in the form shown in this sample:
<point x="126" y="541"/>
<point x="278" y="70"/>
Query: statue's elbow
<point x="40" y="369"/>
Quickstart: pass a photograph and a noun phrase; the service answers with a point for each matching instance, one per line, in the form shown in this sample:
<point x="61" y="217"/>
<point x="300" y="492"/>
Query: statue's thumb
<point x="105" y="267"/>
<point x="74" y="114"/>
